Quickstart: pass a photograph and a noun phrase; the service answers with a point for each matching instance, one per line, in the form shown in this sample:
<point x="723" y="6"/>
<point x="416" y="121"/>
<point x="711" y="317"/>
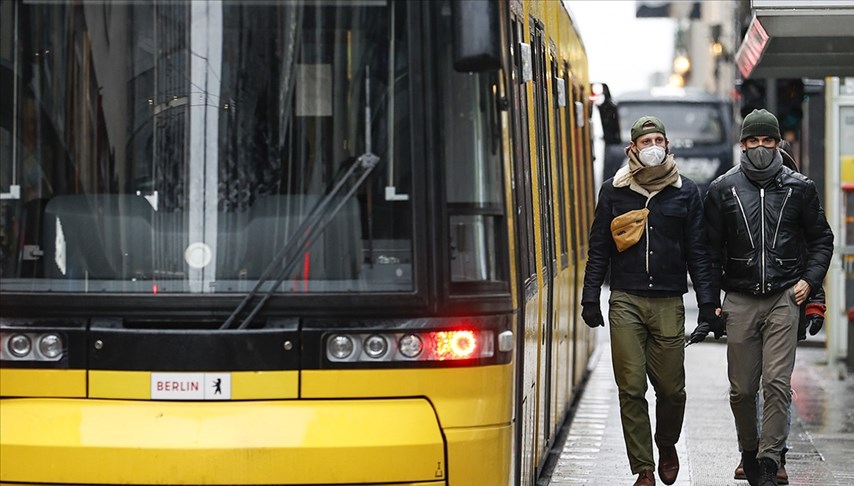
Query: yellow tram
<point x="290" y="242"/>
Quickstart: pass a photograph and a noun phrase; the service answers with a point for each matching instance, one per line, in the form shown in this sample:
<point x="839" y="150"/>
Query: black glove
<point x="815" y="323"/>
<point x="715" y="322"/>
<point x="700" y="333"/>
<point x="814" y="317"/>
<point x="592" y="315"/>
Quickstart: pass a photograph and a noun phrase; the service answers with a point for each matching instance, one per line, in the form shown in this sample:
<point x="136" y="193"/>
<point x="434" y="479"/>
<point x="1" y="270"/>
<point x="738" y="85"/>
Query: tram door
<point x="562" y="295"/>
<point x="575" y="194"/>
<point x="544" y="184"/>
<point x="525" y="413"/>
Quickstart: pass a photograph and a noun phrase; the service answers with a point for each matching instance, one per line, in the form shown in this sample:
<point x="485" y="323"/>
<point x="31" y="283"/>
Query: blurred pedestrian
<point x="648" y="229"/>
<point x="771" y="245"/>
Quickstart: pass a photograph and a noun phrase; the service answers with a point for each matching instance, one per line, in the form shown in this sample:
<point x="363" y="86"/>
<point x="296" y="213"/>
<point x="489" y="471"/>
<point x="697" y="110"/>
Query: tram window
<point x="571" y="167"/>
<point x="585" y="169"/>
<point x="205" y="133"/>
<point x="521" y="158"/>
<point x="542" y="129"/>
<point x="471" y="141"/>
<point x="559" y="162"/>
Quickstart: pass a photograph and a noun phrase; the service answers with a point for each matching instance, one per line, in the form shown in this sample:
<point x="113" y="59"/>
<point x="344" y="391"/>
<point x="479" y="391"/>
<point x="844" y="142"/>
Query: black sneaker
<point x="751" y="467"/>
<point x="767" y="472"/>
<point x="782" y="475"/>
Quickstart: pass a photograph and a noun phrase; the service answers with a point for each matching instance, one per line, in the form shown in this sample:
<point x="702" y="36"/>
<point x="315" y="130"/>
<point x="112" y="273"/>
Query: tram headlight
<point x="411" y="345"/>
<point x="50" y="346"/>
<point x="376" y="346"/>
<point x="44" y="344"/>
<point x="19" y="345"/>
<point x="340" y="347"/>
<point x="31" y="346"/>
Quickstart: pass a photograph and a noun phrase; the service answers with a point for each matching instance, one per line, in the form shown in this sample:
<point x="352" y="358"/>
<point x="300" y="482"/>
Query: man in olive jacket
<point x="648" y="258"/>
<point x="771" y="246"/>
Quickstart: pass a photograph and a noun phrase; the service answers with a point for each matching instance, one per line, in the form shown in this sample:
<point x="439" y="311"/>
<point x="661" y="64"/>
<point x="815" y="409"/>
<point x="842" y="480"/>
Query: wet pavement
<point x="821" y="440"/>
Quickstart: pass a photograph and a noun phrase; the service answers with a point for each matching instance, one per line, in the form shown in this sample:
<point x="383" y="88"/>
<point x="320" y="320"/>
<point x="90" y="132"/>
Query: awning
<point x="798" y="39"/>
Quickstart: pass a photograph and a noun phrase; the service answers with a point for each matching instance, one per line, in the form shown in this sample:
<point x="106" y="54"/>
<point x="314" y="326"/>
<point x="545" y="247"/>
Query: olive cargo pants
<point x="648" y="340"/>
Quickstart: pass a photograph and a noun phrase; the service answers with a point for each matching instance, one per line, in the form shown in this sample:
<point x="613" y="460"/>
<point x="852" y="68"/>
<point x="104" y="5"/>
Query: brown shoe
<point x="782" y="475"/>
<point x="739" y="472"/>
<point x="645" y="478"/>
<point x="668" y="464"/>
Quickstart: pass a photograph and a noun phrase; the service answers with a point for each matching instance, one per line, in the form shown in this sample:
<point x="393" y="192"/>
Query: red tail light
<point x="455" y="344"/>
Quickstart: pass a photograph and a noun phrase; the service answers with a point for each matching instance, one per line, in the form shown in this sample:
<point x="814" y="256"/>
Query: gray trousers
<point x="762" y="335"/>
<point x="648" y="340"/>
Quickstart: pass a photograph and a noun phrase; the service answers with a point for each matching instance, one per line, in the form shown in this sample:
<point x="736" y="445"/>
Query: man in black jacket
<point x="648" y="229"/>
<point x="811" y="316"/>
<point x="771" y="245"/>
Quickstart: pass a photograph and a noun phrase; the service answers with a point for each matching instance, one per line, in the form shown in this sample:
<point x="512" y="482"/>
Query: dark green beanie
<point x="760" y="123"/>
<point x="647" y="124"/>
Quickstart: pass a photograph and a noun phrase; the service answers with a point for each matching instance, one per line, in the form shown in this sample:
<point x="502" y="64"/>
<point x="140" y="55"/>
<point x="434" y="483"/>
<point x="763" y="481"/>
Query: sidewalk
<point x="821" y="440"/>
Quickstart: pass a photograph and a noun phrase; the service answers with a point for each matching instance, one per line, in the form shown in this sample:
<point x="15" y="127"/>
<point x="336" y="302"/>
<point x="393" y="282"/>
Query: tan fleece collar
<point x="623" y="178"/>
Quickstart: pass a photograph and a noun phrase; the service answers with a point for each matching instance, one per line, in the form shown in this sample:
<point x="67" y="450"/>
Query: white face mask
<point x="652" y="155"/>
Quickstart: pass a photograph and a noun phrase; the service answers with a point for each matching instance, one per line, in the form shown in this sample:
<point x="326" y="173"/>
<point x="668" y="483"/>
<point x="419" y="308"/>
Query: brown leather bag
<point x="628" y="228"/>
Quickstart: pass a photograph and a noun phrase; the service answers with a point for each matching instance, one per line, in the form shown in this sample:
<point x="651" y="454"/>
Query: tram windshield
<point x="197" y="147"/>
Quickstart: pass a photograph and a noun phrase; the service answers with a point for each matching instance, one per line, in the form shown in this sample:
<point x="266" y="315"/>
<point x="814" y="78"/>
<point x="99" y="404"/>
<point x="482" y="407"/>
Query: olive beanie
<point x="647" y="124"/>
<point x="760" y="123"/>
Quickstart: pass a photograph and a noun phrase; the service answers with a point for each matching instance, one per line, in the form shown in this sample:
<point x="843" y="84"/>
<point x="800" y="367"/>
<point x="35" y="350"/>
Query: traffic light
<point x="752" y="93"/>
<point x="790" y="99"/>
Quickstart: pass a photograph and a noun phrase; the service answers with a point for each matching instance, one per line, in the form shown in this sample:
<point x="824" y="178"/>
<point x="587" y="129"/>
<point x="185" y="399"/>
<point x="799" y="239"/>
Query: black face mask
<point x="761" y="157"/>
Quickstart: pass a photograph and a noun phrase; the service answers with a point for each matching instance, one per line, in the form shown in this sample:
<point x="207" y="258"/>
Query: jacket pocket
<point x="788" y="262"/>
<point x="739" y="266"/>
<point x="670" y="223"/>
<point x="674" y="211"/>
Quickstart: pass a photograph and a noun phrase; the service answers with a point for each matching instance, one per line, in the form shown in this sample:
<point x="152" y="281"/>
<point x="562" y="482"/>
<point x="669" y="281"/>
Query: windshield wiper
<point x="313" y="225"/>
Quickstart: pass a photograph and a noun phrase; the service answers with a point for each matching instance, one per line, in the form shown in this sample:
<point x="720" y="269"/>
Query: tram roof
<point x="798" y="38"/>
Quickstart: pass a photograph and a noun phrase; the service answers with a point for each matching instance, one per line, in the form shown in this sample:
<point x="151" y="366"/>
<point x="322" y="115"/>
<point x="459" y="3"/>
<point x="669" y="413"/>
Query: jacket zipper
<point x="762" y="218"/>
<point x="646" y="256"/>
<point x="747" y="261"/>
<point x="743" y="215"/>
<point x="780" y="219"/>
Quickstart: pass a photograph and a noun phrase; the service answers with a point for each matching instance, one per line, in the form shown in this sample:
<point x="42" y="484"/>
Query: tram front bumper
<point x="262" y="442"/>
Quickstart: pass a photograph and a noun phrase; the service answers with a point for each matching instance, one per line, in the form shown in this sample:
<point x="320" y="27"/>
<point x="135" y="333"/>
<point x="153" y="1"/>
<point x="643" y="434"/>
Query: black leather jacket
<point x="765" y="239"/>
<point x="674" y="241"/>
